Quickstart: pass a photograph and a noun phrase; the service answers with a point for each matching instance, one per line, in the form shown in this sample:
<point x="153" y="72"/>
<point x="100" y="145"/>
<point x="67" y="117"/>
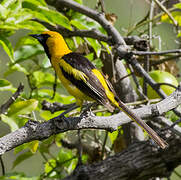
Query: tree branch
<point x="54" y="107"/>
<point x="140" y="161"/>
<point x="39" y="131"/>
<point x="6" y="105"/>
<point x="143" y="53"/>
<point x="93" y="33"/>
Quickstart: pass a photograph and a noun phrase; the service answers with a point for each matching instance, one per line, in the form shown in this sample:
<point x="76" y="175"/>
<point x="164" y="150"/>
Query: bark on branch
<point x="140" y="161"/>
<point x="39" y="131"/>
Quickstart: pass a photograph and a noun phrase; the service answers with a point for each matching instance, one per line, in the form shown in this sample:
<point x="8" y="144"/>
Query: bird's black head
<point x="42" y="38"/>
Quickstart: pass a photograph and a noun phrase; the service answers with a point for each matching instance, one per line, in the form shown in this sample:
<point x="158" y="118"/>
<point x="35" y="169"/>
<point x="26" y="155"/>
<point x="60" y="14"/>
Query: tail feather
<point x="163" y="144"/>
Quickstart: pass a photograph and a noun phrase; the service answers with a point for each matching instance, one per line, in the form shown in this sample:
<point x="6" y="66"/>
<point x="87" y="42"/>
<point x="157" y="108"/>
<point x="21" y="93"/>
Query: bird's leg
<point x="66" y="111"/>
<point x="69" y="110"/>
<point x="87" y="107"/>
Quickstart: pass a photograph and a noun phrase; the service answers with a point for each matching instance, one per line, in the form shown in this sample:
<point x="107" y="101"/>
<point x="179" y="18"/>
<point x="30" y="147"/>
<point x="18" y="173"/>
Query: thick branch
<point x="140" y="161"/>
<point x="38" y="131"/>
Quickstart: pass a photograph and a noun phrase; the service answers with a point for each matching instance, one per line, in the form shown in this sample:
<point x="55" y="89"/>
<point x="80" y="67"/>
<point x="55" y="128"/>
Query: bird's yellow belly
<point x="73" y="90"/>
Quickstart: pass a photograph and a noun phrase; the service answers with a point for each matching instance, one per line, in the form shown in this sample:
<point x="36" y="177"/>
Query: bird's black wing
<point x="92" y="86"/>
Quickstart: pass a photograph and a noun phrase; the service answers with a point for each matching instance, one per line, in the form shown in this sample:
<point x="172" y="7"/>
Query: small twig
<point x="54" y="107"/>
<point x="143" y="53"/>
<point x="2" y="166"/>
<point x="146" y="67"/>
<point x="31" y="85"/>
<point x="152" y="6"/>
<point x="147" y="47"/>
<point x="100" y="3"/>
<point x="162" y="7"/>
<point x="171" y="58"/>
<point x="171" y="125"/>
<point x="54" y="86"/>
<point x="58" y="164"/>
<point x="140" y="90"/>
<point x="157" y="17"/>
<point x="179" y="175"/>
<point x="167" y="84"/>
<point x="135" y="103"/>
<point x="10" y="101"/>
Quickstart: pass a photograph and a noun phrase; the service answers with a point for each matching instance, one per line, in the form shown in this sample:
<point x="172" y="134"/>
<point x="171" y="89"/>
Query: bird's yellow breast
<point x="72" y="89"/>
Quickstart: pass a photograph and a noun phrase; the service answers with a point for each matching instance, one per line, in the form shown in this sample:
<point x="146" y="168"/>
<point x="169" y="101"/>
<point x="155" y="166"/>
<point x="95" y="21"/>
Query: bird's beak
<point x="35" y="35"/>
<point x="39" y="37"/>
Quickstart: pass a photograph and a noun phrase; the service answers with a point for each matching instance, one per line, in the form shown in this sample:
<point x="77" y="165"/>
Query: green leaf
<point x="79" y="1"/>
<point x="19" y="17"/>
<point x="98" y="63"/>
<point x="15" y="7"/>
<point x="26" y="40"/>
<point x="34" y="146"/>
<point x="37" y="2"/>
<point x="96" y="46"/>
<point x="3" y="12"/>
<point x="113" y="135"/>
<point x="31" y="25"/>
<point x="64" y="156"/>
<point x="78" y="24"/>
<point x="18" y="176"/>
<point x="51" y="16"/>
<point x="5" y="85"/>
<point x="22" y="157"/>
<point x="58" y="138"/>
<point x="175" y="14"/>
<point x="44" y="146"/>
<point x="50" y="165"/>
<point x="21" y="148"/>
<point x="90" y="56"/>
<point x="7" y="47"/>
<point x="179" y="34"/>
<point x="23" y="107"/>
<point x="81" y="22"/>
<point x="27" y="52"/>
<point x="107" y="47"/>
<point x="47" y="115"/>
<point x="7" y="3"/>
<point x="178" y="5"/>
<point x="14" y="68"/>
<point x="46" y="62"/>
<point x="42" y="79"/>
<point x="10" y="121"/>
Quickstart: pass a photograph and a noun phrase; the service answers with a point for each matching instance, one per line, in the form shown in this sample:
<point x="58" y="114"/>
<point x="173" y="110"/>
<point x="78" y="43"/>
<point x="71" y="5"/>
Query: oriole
<point x="83" y="80"/>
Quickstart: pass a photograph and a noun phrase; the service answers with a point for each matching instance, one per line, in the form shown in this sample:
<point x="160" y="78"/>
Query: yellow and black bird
<point x="83" y="80"/>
